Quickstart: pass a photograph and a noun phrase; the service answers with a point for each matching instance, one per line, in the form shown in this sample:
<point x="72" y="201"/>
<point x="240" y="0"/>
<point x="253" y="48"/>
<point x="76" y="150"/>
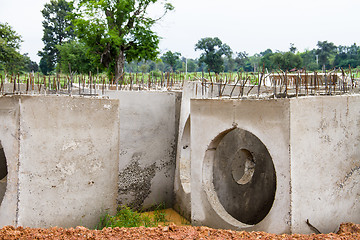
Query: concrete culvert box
<point x="272" y="164"/>
<point x="240" y="176"/>
<point x="61" y="155"/>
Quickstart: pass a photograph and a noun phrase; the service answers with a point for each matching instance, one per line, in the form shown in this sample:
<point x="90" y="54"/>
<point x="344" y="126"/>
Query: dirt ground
<point x="346" y="231"/>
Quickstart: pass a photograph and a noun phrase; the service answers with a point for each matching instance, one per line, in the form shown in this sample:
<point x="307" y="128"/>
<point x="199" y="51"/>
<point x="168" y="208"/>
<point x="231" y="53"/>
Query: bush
<point x="126" y="217"/>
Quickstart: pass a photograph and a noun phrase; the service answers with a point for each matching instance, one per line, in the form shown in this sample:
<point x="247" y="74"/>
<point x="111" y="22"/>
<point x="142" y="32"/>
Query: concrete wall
<point x="325" y="162"/>
<point x="148" y="135"/>
<point x="9" y="138"/>
<point x="182" y="182"/>
<point x="64" y="168"/>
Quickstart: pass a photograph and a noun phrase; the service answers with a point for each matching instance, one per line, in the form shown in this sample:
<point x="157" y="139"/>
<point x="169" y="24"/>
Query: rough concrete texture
<point x="64" y="168"/>
<point x="9" y="139"/>
<point x="148" y="133"/>
<point x="243" y="170"/>
<point x="313" y="143"/>
<point x="325" y="162"/>
<point x="211" y="121"/>
<point x="182" y="185"/>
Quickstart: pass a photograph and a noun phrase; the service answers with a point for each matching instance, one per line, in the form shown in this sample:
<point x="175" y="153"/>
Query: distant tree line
<point x="218" y="57"/>
<point x="115" y="37"/>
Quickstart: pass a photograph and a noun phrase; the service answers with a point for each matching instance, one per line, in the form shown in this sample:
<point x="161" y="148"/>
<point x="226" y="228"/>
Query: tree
<point x="309" y="60"/>
<point x="286" y="61"/>
<point x="280" y="60"/>
<point x="171" y="59"/>
<point x="292" y="48"/>
<point x="229" y="64"/>
<point x="191" y="65"/>
<point x="75" y="54"/>
<point x="348" y="56"/>
<point x="10" y="58"/>
<point x="326" y="51"/>
<point x="213" y="49"/>
<point x="144" y="67"/>
<point x="29" y="66"/>
<point x="243" y="62"/>
<point x="267" y="59"/>
<point x="56" y="32"/>
<point x="117" y="30"/>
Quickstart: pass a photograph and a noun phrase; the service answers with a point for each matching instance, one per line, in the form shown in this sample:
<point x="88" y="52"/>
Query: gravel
<point x="346" y="231"/>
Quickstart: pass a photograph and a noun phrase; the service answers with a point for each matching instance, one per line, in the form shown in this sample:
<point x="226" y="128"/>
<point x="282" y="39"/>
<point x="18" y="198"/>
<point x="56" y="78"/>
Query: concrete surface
<point x="211" y="122"/>
<point x="148" y="134"/>
<point x="313" y="144"/>
<point x="62" y="156"/>
<point x="9" y="139"/>
<point x="244" y="176"/>
<point x="325" y="162"/>
<point x="255" y="165"/>
<point x="182" y="182"/>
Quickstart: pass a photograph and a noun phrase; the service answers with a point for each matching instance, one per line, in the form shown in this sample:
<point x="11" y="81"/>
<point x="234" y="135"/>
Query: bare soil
<point x="346" y="231"/>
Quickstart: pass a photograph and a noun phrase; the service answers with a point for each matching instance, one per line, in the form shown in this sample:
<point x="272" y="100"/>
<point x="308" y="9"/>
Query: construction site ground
<point x="346" y="231"/>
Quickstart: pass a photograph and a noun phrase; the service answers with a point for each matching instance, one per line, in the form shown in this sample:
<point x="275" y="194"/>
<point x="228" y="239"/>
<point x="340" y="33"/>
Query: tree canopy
<point x="171" y="58"/>
<point x="213" y="50"/>
<point x="326" y="50"/>
<point x="74" y="56"/>
<point x="9" y="46"/>
<point x="56" y="32"/>
<point x="117" y="30"/>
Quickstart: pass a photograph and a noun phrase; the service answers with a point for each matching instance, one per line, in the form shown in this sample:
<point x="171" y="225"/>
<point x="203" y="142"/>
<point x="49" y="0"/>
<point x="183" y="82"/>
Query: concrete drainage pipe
<point x="240" y="178"/>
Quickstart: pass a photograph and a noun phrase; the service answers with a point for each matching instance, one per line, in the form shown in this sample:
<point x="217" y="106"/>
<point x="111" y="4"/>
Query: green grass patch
<point x="126" y="217"/>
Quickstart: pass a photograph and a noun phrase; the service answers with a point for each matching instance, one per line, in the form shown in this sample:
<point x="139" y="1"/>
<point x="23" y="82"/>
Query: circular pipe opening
<point x="239" y="177"/>
<point x="243" y="166"/>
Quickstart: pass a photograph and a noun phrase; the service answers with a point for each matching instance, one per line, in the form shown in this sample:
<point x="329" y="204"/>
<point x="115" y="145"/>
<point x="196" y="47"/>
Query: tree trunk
<point x="119" y="66"/>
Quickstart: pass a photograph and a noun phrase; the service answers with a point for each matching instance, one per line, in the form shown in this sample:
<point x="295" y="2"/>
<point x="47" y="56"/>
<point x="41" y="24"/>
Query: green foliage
<point x="279" y="60"/>
<point x="171" y="59"/>
<point x="29" y="66"/>
<point x="326" y="51"/>
<point x="292" y="48"/>
<point x="117" y="31"/>
<point x="10" y="58"/>
<point x="126" y="217"/>
<point x="309" y="60"/>
<point x="56" y="32"/>
<point x="76" y="55"/>
<point x="191" y="65"/>
<point x="348" y="56"/>
<point x="213" y="50"/>
<point x="144" y="68"/>
<point x="286" y="61"/>
<point x="243" y="62"/>
<point x="266" y="59"/>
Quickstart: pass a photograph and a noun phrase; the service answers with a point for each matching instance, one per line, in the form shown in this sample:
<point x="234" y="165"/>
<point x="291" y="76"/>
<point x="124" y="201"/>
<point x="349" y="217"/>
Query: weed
<point x="126" y="217"/>
<point x="159" y="213"/>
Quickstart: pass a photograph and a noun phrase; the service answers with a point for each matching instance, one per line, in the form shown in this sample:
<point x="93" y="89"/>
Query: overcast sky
<point x="245" y="25"/>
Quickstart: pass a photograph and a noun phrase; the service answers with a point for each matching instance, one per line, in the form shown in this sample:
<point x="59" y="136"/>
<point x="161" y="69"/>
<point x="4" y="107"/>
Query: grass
<point x="126" y="217"/>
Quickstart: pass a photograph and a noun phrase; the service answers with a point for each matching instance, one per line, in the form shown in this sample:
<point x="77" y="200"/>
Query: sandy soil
<point x="347" y="231"/>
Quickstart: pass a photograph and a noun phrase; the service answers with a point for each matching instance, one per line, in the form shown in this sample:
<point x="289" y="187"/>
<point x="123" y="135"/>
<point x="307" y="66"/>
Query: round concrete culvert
<point x="244" y="176"/>
<point x="3" y="173"/>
